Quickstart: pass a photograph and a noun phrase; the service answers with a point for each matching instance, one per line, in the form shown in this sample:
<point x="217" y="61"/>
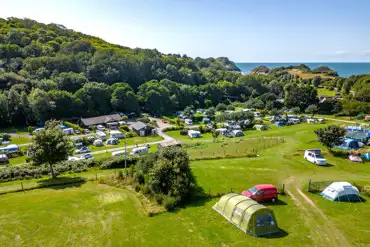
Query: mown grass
<point x="97" y="215"/>
<point x="325" y="92"/>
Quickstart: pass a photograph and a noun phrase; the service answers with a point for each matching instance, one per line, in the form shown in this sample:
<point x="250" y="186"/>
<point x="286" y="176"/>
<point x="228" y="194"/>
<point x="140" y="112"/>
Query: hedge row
<point x="170" y="120"/>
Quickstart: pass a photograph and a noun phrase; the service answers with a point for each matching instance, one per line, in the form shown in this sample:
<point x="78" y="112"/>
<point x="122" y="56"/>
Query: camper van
<point x="68" y="131"/>
<point x="139" y="150"/>
<point x="116" y="134"/>
<point x="112" y="141"/>
<point x="315" y="156"/>
<point x="101" y="135"/>
<point x="119" y="153"/>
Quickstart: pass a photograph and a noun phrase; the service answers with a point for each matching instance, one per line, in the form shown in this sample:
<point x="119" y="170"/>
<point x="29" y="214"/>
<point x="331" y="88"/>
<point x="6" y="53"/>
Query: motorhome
<point x="68" y="131"/>
<point x="119" y="153"/>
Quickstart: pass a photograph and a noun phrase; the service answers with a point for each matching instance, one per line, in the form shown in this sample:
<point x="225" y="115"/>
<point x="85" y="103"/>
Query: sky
<point x="243" y="30"/>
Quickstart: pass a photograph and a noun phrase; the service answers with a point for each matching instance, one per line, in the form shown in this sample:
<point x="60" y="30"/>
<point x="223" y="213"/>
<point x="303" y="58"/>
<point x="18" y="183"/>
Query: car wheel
<point x="273" y="199"/>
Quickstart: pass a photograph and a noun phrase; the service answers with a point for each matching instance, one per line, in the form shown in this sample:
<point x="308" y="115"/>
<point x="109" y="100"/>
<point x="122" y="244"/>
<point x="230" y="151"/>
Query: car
<point x="315" y="156"/>
<point x="98" y="143"/>
<point x="4" y="159"/>
<point x="164" y="121"/>
<point x="262" y="192"/>
<point x="86" y="156"/>
<point x="100" y="127"/>
<point x="77" y="132"/>
<point x="86" y="131"/>
<point x="147" y="145"/>
<point x="82" y="150"/>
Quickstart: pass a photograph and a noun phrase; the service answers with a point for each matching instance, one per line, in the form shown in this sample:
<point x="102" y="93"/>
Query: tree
<point x="221" y="107"/>
<point x="330" y="136"/>
<point x="301" y="96"/>
<point x="123" y="99"/>
<point x="50" y="146"/>
<point x="296" y="110"/>
<point x="171" y="174"/>
<point x="215" y="134"/>
<point x="211" y="113"/>
<point x="312" y="109"/>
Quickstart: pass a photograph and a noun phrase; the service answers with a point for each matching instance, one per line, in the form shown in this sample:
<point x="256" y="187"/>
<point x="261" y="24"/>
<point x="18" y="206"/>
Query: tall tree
<point x="50" y="146"/>
<point x="330" y="136"/>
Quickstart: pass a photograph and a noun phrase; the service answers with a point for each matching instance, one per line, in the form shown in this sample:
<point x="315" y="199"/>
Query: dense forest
<point x="49" y="71"/>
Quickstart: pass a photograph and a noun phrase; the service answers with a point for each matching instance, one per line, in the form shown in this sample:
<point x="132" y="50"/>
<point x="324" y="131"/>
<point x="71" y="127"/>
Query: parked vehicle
<point x="112" y="141"/>
<point x="315" y="156"/>
<point x="37" y="130"/>
<point x="98" y="143"/>
<point x="86" y="157"/>
<point x="86" y="131"/>
<point x="139" y="150"/>
<point x="82" y="150"/>
<point x="355" y="158"/>
<point x="164" y="121"/>
<point x="262" y="192"/>
<point x="4" y="159"/>
<point x="100" y="127"/>
<point x="12" y="148"/>
<point x="188" y="121"/>
<point x="147" y="145"/>
<point x="119" y="153"/>
<point x="101" y="135"/>
<point x="116" y="134"/>
<point x="77" y="132"/>
<point x="68" y="131"/>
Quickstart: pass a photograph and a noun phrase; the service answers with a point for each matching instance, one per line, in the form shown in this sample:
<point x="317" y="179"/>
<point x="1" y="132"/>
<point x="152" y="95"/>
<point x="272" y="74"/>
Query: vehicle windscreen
<point x="319" y="156"/>
<point x="253" y="190"/>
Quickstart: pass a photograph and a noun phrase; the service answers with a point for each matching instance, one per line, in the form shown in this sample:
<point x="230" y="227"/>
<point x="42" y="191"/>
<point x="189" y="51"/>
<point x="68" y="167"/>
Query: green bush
<point x="5" y="136"/>
<point x="170" y="120"/>
<point x="169" y="202"/>
<point x="172" y="128"/>
<point x="124" y="128"/>
<point x="74" y="126"/>
<point x="143" y="119"/>
<point x="184" y="132"/>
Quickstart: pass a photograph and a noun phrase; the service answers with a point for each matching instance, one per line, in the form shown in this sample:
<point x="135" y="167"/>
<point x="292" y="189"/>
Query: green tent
<point x="247" y="214"/>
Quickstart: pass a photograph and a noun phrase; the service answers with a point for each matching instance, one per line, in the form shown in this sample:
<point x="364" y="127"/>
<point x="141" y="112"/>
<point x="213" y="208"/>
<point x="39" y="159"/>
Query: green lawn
<point x="326" y="92"/>
<point x="17" y="130"/>
<point x="130" y="142"/>
<point x="97" y="215"/>
<point x="18" y="140"/>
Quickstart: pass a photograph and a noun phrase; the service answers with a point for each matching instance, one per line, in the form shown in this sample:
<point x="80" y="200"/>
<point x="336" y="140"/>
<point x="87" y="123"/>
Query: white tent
<point x="341" y="191"/>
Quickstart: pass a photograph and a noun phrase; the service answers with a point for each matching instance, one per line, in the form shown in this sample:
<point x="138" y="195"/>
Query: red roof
<point x="265" y="186"/>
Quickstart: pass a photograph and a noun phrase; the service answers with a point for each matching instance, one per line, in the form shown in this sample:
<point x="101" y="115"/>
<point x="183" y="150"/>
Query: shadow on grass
<point x="280" y="234"/>
<point x="277" y="203"/>
<point x="327" y="165"/>
<point x="60" y="183"/>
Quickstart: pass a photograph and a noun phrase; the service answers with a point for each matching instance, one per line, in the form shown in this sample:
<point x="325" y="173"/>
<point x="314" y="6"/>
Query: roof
<point x="100" y="119"/>
<point x="265" y="186"/>
<point x="138" y="125"/>
<point x="193" y="132"/>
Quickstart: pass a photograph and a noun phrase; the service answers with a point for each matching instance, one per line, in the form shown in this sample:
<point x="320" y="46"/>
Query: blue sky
<point x="243" y="30"/>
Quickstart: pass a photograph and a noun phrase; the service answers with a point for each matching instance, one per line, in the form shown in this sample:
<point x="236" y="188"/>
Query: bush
<point x="170" y="120"/>
<point x="184" y="132"/>
<point x="74" y="126"/>
<point x="124" y="128"/>
<point x="143" y="119"/>
<point x="158" y="198"/>
<point x="169" y="202"/>
<point x="6" y="137"/>
<point x="145" y="189"/>
<point x="172" y="128"/>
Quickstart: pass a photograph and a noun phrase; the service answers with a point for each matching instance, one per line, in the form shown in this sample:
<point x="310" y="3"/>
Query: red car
<point x="262" y="192"/>
<point x="164" y="121"/>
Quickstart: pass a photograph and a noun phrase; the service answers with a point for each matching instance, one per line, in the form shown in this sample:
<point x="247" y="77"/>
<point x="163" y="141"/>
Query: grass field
<point x="90" y="214"/>
<point x="304" y="75"/>
<point x="18" y="140"/>
<point x="326" y="92"/>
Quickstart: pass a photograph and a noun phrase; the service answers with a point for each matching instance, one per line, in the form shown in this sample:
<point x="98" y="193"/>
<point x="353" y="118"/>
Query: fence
<point x="318" y="186"/>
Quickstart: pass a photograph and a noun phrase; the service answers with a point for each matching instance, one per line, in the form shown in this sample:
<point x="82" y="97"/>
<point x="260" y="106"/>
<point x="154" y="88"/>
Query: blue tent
<point x="349" y="144"/>
<point x="366" y="156"/>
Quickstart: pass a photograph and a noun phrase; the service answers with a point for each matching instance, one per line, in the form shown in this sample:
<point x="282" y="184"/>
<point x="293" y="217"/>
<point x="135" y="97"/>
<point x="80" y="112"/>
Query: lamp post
<point x="125" y="154"/>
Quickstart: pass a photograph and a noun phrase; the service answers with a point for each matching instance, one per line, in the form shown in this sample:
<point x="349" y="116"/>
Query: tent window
<point x="265" y="220"/>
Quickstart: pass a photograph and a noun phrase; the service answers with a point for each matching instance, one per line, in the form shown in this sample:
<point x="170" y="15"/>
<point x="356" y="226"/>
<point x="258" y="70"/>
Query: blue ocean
<point x="343" y="69"/>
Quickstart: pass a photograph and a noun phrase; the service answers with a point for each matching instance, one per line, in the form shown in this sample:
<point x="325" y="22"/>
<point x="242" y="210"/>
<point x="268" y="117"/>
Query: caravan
<point x="139" y="150"/>
<point x="116" y="134"/>
<point x="101" y="135"/>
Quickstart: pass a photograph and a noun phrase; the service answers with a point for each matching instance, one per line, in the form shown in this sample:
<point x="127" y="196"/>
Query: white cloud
<point x="354" y="52"/>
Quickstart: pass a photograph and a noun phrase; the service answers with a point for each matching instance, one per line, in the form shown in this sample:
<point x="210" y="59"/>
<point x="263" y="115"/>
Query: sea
<point x="343" y="69"/>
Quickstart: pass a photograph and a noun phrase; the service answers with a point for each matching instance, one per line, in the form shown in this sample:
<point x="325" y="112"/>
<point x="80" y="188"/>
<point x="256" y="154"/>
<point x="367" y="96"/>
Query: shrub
<point x="184" y="132"/>
<point x="172" y="128"/>
<point x="145" y="189"/>
<point x="169" y="202"/>
<point x="143" y="119"/>
<point x="74" y="126"/>
<point x="5" y="136"/>
<point x="170" y="120"/>
<point x="124" y="128"/>
<point x="158" y="198"/>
